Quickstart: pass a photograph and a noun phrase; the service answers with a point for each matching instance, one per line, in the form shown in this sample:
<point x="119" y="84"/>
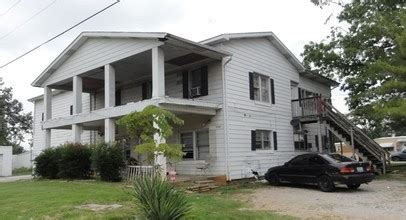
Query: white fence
<point x="5" y="160"/>
<point x="22" y="160"/>
<point x="134" y="172"/>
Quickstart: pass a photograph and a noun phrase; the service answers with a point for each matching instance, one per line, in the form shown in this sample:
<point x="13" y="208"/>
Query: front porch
<point x="171" y="73"/>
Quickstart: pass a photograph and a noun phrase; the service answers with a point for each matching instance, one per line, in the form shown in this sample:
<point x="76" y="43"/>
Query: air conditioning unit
<point x="195" y="91"/>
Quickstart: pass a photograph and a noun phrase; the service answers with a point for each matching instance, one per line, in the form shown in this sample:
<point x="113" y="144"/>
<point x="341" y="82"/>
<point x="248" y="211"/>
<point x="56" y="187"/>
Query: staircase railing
<point x="319" y="107"/>
<point x="306" y="107"/>
<point x="370" y="145"/>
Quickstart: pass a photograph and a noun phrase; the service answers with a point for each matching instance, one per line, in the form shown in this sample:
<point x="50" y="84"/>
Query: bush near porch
<point x="75" y="161"/>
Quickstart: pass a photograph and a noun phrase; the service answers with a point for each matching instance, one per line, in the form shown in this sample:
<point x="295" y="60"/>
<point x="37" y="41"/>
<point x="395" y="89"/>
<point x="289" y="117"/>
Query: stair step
<point x="204" y="181"/>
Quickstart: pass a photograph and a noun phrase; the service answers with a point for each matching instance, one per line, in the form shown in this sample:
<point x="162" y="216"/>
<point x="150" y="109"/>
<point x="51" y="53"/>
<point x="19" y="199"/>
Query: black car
<point x="399" y="156"/>
<point x="325" y="170"/>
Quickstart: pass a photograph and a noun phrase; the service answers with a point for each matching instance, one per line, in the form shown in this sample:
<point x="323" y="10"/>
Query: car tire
<point x="273" y="179"/>
<point x="395" y="158"/>
<point x="353" y="186"/>
<point x="326" y="184"/>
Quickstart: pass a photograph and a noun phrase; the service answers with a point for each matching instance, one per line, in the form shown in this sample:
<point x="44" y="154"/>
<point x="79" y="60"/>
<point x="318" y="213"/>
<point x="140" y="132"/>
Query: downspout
<point x="224" y="62"/>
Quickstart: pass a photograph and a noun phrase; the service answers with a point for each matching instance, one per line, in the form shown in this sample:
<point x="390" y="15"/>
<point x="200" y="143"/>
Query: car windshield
<point x="338" y="158"/>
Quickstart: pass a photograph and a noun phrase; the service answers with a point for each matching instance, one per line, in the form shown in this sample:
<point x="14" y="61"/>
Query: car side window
<point x="299" y="161"/>
<point x="316" y="161"/>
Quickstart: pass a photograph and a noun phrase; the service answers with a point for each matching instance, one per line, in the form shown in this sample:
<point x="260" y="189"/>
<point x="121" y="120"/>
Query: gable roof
<point x="79" y="41"/>
<point x="279" y="45"/>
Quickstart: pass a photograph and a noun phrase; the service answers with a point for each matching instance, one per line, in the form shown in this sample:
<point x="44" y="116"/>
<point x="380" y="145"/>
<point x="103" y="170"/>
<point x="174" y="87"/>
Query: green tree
<point x="366" y="50"/>
<point x="14" y="123"/>
<point x="151" y="121"/>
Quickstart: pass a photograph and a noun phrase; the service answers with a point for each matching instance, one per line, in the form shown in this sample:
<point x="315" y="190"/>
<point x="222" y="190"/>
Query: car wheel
<point x="395" y="158"/>
<point x="353" y="186"/>
<point x="273" y="179"/>
<point x="326" y="184"/>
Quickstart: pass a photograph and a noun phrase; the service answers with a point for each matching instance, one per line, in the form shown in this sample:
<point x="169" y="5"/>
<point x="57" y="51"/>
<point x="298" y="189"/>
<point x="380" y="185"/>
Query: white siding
<point x="244" y="115"/>
<point x="60" y="108"/>
<point x="97" y="52"/>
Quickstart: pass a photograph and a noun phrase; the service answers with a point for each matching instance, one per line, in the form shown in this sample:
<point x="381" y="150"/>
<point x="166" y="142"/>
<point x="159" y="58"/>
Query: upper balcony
<point x="124" y="73"/>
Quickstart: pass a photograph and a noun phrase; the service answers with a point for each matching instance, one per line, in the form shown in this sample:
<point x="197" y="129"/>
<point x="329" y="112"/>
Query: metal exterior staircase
<point x="365" y="147"/>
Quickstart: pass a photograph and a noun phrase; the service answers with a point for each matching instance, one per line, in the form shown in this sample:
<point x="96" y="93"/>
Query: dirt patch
<point x="98" y="207"/>
<point x="381" y="199"/>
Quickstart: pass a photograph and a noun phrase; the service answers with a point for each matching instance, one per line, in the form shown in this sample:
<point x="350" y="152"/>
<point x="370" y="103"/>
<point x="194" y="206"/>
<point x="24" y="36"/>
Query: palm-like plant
<point x="159" y="200"/>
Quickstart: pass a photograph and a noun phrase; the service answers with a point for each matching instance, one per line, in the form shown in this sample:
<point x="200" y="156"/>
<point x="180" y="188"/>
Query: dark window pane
<point x="299" y="161"/>
<point x="337" y="158"/>
<point x="187" y="143"/>
<point x="316" y="160"/>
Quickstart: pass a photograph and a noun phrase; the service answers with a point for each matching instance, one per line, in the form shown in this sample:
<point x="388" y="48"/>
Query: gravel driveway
<point x="381" y="199"/>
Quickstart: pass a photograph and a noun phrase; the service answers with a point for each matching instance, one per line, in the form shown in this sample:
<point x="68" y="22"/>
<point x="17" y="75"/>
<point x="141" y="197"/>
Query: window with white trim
<point x="262" y="140"/>
<point x="261" y="87"/>
<point x="195" y="144"/>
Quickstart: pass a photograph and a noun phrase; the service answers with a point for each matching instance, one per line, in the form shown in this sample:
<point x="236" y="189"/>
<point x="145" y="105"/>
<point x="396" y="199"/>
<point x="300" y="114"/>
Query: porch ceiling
<point x="138" y="68"/>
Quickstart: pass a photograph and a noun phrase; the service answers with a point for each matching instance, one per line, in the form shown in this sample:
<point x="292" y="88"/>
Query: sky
<point x="31" y="22"/>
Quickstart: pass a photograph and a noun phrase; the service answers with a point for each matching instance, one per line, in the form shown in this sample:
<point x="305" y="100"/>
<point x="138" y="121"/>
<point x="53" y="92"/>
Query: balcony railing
<point x="307" y="107"/>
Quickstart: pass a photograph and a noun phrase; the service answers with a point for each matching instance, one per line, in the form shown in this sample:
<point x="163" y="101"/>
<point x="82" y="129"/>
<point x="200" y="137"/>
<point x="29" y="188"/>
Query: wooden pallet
<point x="202" y="186"/>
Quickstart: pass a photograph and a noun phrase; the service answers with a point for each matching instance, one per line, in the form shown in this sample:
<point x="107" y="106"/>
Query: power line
<point x="9" y="9"/>
<point x="28" y="20"/>
<point x="58" y="35"/>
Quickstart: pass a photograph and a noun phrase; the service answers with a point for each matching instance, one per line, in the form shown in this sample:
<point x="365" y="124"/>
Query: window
<point x="118" y="97"/>
<point x="186" y="139"/>
<point x="299" y="161"/>
<point x="300" y="142"/>
<point x="147" y="90"/>
<point x="202" y="144"/>
<point x="42" y="116"/>
<point x="71" y="110"/>
<point x="195" y="83"/>
<point x="195" y="144"/>
<point x="316" y="161"/>
<point x="262" y="140"/>
<point x="337" y="158"/>
<point x="261" y="88"/>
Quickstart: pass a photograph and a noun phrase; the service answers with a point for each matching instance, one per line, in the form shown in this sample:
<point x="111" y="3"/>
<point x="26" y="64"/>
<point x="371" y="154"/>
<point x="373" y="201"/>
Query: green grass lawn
<point x="41" y="199"/>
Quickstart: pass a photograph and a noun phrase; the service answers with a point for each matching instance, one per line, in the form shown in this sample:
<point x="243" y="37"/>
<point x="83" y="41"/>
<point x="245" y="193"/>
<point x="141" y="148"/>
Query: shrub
<point x="157" y="199"/>
<point x="108" y="160"/>
<point x="74" y="161"/>
<point x="47" y="163"/>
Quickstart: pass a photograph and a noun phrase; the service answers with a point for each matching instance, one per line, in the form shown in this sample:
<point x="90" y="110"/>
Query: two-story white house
<point x="233" y="91"/>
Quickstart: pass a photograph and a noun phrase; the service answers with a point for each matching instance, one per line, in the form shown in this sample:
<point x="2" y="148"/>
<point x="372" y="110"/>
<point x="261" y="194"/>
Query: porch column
<point x="47" y="102"/>
<point x="47" y="114"/>
<point x="77" y="94"/>
<point x="47" y="137"/>
<point x="109" y="86"/>
<point x="158" y="72"/>
<point x="77" y="107"/>
<point x="109" y="130"/>
<point x="76" y="133"/>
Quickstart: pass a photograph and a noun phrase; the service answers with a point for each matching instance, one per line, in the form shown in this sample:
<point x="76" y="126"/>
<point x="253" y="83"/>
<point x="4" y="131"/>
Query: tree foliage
<point x="367" y="50"/>
<point x="14" y="123"/>
<point x="152" y="121"/>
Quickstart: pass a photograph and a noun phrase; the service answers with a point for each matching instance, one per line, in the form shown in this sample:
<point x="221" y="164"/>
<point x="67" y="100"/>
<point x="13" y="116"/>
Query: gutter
<point x="224" y="62"/>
